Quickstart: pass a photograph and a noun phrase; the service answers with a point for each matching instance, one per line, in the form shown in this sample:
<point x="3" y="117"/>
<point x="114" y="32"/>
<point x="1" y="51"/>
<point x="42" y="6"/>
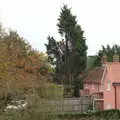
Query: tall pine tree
<point x="70" y="53"/>
<point x="109" y="51"/>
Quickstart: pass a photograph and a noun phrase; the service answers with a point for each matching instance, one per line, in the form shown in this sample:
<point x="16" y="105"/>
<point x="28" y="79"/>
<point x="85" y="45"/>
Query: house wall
<point x="92" y="87"/>
<point x="118" y="96"/>
<point x="109" y="99"/>
<point x="109" y="93"/>
<point x="112" y="75"/>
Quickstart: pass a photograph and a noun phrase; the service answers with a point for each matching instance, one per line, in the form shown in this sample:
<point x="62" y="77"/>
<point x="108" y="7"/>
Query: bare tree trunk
<point x="69" y="76"/>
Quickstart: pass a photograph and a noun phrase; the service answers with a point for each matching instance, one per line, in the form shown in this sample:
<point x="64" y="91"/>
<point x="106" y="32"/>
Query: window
<point x="93" y="86"/>
<point x="102" y="86"/>
<point x="96" y="86"/>
<point x="109" y="106"/>
<point x="108" y="86"/>
<point x="86" y="86"/>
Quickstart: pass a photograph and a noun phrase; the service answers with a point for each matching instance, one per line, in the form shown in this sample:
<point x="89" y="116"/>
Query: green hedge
<point x="35" y="114"/>
<point x="99" y="115"/>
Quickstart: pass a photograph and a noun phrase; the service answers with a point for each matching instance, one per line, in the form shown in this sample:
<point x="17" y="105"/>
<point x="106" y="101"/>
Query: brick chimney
<point x="115" y="58"/>
<point x="104" y="59"/>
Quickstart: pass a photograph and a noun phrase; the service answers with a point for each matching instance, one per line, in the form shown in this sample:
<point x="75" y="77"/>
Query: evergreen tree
<point x="70" y="54"/>
<point x="109" y="52"/>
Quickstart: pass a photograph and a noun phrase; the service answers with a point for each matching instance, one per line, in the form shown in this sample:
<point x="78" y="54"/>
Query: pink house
<point x="103" y="84"/>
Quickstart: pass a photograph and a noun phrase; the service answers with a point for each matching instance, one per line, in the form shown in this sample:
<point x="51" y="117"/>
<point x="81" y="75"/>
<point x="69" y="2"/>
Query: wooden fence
<point x="70" y="104"/>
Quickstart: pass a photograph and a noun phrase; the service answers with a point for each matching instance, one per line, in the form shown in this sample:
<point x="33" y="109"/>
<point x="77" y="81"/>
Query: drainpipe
<point x="115" y="97"/>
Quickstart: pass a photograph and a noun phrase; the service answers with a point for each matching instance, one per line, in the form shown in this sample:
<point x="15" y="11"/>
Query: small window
<point x="96" y="86"/>
<point x="93" y="86"/>
<point x="86" y="86"/>
<point x="108" y="86"/>
<point x="109" y="106"/>
<point x="102" y="86"/>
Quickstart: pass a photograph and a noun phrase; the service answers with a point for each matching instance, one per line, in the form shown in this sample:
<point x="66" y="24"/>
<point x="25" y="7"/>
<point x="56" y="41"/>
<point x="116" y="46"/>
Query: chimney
<point x="115" y="58"/>
<point x="104" y="59"/>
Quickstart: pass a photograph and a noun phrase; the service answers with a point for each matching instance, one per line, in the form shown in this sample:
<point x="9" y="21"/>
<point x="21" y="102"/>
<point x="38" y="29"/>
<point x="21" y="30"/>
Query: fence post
<point x="81" y="104"/>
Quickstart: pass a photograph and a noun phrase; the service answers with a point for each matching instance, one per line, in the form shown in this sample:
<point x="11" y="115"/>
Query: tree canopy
<point x="109" y="51"/>
<point x="22" y="68"/>
<point x="68" y="55"/>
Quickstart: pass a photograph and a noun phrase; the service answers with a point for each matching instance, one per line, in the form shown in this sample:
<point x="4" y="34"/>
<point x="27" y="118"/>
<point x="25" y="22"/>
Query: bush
<point x="38" y="107"/>
<point x="99" y="115"/>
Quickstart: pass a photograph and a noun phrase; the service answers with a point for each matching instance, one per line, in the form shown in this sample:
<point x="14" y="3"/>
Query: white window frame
<point x="86" y="86"/>
<point x="109" y="106"/>
<point x="108" y="85"/>
<point x="96" y="86"/>
<point x="102" y="86"/>
<point x="93" y="86"/>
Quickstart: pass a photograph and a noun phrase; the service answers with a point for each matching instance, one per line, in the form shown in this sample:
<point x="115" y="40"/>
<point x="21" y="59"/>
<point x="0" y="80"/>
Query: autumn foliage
<point x="21" y="67"/>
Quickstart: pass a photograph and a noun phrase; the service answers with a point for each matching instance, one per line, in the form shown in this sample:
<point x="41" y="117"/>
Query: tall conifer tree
<point x="70" y="53"/>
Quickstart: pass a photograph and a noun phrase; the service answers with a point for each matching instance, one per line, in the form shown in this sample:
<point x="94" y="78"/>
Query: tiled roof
<point x="95" y="75"/>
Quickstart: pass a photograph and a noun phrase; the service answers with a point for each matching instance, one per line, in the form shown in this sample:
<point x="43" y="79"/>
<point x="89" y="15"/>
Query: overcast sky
<point x="36" y="19"/>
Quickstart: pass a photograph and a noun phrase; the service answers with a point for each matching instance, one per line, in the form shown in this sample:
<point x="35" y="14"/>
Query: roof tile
<point x="95" y="75"/>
